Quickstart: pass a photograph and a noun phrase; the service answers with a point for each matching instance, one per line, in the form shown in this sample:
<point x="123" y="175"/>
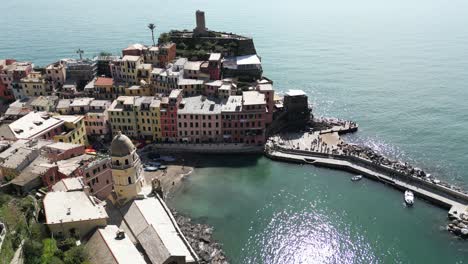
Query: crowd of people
<point x="318" y="145"/>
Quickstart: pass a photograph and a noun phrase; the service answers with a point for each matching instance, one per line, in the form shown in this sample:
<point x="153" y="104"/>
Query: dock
<point x="325" y="148"/>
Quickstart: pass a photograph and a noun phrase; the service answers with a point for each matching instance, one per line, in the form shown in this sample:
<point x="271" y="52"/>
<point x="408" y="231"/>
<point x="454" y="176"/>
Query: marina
<point x="325" y="148"/>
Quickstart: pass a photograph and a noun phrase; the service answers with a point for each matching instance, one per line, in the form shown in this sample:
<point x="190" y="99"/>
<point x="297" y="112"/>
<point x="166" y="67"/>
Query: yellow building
<point x="156" y="119"/>
<point x="148" y="118"/>
<point x="139" y="90"/>
<point x="74" y="132"/>
<point x="122" y="116"/>
<point x="34" y="85"/>
<point x="136" y="116"/>
<point x="127" y="171"/>
<point x="144" y="73"/>
<point x="103" y="87"/>
<point x="126" y="70"/>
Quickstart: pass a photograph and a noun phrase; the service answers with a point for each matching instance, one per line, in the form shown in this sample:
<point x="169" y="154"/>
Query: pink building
<point x="214" y="66"/>
<point x="211" y="88"/>
<point x="95" y="171"/>
<point x="98" y="176"/>
<point x="199" y="120"/>
<point x="62" y="151"/>
<point x="11" y="72"/>
<point x="96" y="120"/>
<point x="134" y="50"/>
<point x="244" y="118"/>
<point x="35" y="125"/>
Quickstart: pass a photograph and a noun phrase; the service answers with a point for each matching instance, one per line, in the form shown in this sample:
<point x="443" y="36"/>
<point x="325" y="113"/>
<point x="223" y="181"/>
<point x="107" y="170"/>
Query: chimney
<point x="120" y="234"/>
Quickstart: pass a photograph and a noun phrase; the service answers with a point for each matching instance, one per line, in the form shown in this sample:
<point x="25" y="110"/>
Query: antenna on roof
<point x="80" y="51"/>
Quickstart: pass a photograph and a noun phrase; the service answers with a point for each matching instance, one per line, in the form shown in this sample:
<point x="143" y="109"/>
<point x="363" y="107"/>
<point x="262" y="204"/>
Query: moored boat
<point x="356" y="178"/>
<point x="409" y="197"/>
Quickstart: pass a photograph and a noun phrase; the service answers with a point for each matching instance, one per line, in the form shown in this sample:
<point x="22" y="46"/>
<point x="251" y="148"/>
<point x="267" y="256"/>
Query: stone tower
<point x="126" y="168"/>
<point x="201" y="27"/>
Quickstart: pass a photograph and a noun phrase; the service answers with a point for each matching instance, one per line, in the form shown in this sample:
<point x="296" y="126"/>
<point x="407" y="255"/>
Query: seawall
<point x="220" y="148"/>
<point x="436" y="194"/>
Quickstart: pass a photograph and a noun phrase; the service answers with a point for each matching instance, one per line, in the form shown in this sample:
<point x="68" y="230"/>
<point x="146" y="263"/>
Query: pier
<point x="325" y="148"/>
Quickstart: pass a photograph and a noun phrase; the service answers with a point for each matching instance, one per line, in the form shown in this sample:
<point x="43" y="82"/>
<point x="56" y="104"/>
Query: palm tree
<point x="151" y="27"/>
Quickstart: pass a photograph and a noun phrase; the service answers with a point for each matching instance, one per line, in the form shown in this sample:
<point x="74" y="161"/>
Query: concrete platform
<point x="446" y="201"/>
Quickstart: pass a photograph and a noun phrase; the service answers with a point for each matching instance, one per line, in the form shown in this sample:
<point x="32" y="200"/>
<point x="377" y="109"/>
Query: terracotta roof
<point x="103" y="81"/>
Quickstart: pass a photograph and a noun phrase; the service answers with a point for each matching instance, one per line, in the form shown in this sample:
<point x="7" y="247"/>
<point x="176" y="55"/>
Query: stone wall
<point x="221" y="148"/>
<point x="437" y="189"/>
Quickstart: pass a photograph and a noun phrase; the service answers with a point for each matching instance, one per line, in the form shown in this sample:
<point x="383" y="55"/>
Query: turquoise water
<point x="398" y="68"/>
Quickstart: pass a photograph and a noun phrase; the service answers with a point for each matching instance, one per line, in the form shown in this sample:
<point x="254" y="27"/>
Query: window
<point x="129" y="180"/>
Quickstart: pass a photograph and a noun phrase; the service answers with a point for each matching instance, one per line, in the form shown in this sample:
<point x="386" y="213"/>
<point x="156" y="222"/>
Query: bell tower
<point x="126" y="168"/>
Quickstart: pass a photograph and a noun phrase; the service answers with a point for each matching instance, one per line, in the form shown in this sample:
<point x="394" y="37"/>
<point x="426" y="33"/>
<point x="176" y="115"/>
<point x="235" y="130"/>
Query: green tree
<point x="105" y="53"/>
<point x="49" y="249"/>
<point x="55" y="260"/>
<point x="182" y="46"/>
<point x="28" y="207"/>
<point x="32" y="252"/>
<point x="67" y="244"/>
<point x="164" y="38"/>
<point x="151" y="27"/>
<point x="75" y="255"/>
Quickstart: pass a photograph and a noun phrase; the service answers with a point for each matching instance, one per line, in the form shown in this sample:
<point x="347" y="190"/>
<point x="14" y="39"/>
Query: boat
<point x="149" y="168"/>
<point x="409" y="197"/>
<point x="356" y="178"/>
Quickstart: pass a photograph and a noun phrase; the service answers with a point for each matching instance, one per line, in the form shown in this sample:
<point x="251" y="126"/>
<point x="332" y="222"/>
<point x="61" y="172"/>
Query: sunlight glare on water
<point x="304" y="236"/>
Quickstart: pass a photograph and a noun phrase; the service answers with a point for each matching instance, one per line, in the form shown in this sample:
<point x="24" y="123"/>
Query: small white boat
<point x="409" y="197"/>
<point x="356" y="178"/>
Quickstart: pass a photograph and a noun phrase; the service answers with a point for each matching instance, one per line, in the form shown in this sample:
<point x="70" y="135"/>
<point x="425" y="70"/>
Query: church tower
<point x="126" y="168"/>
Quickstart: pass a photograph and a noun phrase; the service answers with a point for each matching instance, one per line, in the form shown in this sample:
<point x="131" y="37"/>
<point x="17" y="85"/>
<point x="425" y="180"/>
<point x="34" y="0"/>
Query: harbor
<point x="325" y="148"/>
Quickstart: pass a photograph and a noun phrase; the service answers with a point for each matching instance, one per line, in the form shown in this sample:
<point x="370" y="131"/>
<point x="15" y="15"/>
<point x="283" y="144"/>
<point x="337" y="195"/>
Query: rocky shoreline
<point x="200" y="237"/>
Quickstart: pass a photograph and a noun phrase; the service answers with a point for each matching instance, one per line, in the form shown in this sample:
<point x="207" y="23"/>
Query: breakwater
<point x="320" y="148"/>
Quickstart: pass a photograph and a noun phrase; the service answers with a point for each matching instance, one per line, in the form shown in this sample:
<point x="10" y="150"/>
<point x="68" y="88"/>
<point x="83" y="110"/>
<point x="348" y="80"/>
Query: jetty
<point x="325" y="148"/>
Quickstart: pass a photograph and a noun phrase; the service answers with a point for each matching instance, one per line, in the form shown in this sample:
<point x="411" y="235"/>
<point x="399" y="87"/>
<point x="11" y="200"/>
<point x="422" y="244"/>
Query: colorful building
<point x="35" y="125"/>
<point x="148" y="118"/>
<point x="55" y="74"/>
<point x="103" y="87"/>
<point x="73" y="131"/>
<point x="11" y="72"/>
<point x="96" y="119"/>
<point x="169" y="106"/>
<point x="244" y="118"/>
<point x="138" y="116"/>
<point x="34" y="85"/>
<point x="126" y="69"/>
<point x="167" y="53"/>
<point x="214" y="66"/>
<point x="122" y="116"/>
<point x="199" y="120"/>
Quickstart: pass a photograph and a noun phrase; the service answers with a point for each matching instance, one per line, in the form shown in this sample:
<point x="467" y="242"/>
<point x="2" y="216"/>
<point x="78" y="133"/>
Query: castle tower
<point x="126" y="168"/>
<point x="200" y="16"/>
<point x="201" y="27"/>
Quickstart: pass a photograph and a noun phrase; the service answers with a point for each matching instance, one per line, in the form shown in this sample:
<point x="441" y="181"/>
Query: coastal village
<point x="86" y="145"/>
<point x="81" y="141"/>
